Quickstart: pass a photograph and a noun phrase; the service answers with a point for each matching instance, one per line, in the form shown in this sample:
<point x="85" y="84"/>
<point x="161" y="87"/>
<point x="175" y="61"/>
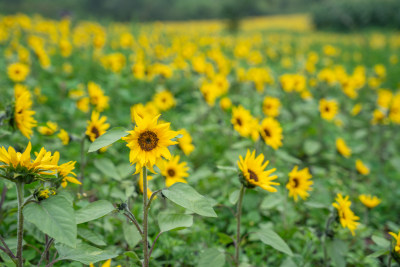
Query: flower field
<point x="186" y="144"/>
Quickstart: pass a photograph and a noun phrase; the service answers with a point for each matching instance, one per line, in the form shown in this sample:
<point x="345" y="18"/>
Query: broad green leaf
<point x="84" y="253"/>
<point x="311" y="147"/>
<point x="107" y="167"/>
<point x="380" y="241"/>
<point x="93" y="211"/>
<point x="131" y="234"/>
<point x="269" y="237"/>
<point x="288" y="263"/>
<point x="211" y="257"/>
<point x="227" y="168"/>
<point x="92" y="237"/>
<point x="184" y="195"/>
<point x="108" y="138"/>
<point x="234" y="196"/>
<point x="283" y="155"/>
<point x="132" y="255"/>
<point x="169" y="222"/>
<point x="54" y="217"/>
<point x="379" y="253"/>
<point x="337" y="250"/>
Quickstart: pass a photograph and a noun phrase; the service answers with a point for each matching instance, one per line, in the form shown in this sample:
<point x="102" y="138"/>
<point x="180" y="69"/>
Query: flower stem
<point x="145" y="213"/>
<point x="20" y="229"/>
<point x="238" y="217"/>
<point x="330" y="219"/>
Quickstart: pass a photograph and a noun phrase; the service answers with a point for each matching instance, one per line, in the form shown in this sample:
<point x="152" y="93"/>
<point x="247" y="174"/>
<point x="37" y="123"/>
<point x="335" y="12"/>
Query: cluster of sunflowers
<point x="322" y="108"/>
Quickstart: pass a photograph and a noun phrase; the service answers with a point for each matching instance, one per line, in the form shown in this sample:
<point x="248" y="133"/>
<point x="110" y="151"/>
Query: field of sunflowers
<point x="184" y="144"/>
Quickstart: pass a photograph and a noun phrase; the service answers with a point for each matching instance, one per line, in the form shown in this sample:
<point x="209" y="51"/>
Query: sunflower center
<point x="296" y="182"/>
<point x="95" y="131"/>
<point x="239" y="121"/>
<point x="16" y="71"/>
<point x="327" y="109"/>
<point x="171" y="172"/>
<point x="148" y="140"/>
<point x="253" y="176"/>
<point x="267" y="133"/>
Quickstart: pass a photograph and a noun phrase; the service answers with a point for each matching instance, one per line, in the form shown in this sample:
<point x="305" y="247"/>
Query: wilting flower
<point x="97" y="126"/>
<point x="346" y="216"/>
<point x="299" y="183"/>
<point x="271" y="132"/>
<point x="361" y="168"/>
<point x="149" y="142"/>
<point x="173" y="171"/>
<point x="369" y="201"/>
<point x="253" y="172"/>
<point x="342" y="148"/>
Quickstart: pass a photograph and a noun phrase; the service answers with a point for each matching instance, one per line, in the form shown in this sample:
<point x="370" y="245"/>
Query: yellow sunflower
<point x="397" y="238"/>
<point x="144" y="110"/>
<point x="64" y="137"/>
<point x="186" y="142"/>
<point x="244" y="123"/>
<point x="225" y="103"/>
<point x="271" y="132"/>
<point x="369" y="201"/>
<point x="23" y="115"/>
<point x="342" y="148"/>
<point x="149" y="142"/>
<point x="173" y="171"/>
<point x="49" y="129"/>
<point x="65" y="171"/>
<point x="299" y="183"/>
<point x="254" y="173"/>
<point x="17" y="72"/>
<point x="346" y="216"/>
<point x="97" y="97"/>
<point x="328" y="109"/>
<point x="83" y="104"/>
<point x="164" y="100"/>
<point x="97" y="126"/>
<point x="361" y="168"/>
<point x="271" y="106"/>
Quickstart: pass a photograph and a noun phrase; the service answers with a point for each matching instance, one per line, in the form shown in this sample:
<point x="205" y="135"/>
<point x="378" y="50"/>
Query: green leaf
<point x="234" y="196"/>
<point x="379" y="253"/>
<point x="108" y="138"/>
<point x="311" y="147"/>
<point x="337" y="250"/>
<point x="283" y="155"/>
<point x="54" y="217"/>
<point x="227" y="168"/>
<point x="380" y="241"/>
<point x="92" y="237"/>
<point x="107" y="167"/>
<point x="269" y="237"/>
<point x="131" y="234"/>
<point x="132" y="255"/>
<point x="211" y="257"/>
<point x="93" y="211"/>
<point x="168" y="222"/>
<point x="184" y="195"/>
<point x="84" y="253"/>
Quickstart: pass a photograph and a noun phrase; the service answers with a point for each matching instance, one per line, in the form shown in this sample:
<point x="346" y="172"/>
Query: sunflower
<point x="97" y="126"/>
<point x="299" y="183"/>
<point x="244" y="123"/>
<point x="271" y="132"/>
<point x="149" y="142"/>
<point x="397" y="238"/>
<point x="49" y="129"/>
<point x="149" y="109"/>
<point x="271" y="106"/>
<point x="185" y="142"/>
<point x="64" y="137"/>
<point x="346" y="216"/>
<point x="23" y="115"/>
<point x="254" y="173"/>
<point x="328" y="109"/>
<point x="17" y="72"/>
<point x="173" y="171"/>
<point x="83" y="104"/>
<point x="164" y="100"/>
<point x="225" y="103"/>
<point x="65" y="171"/>
<point x="361" y="168"/>
<point x="97" y="97"/>
<point x="369" y="201"/>
<point x="342" y="148"/>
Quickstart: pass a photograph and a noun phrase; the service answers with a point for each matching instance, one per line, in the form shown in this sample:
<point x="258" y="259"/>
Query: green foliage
<point x="168" y="222"/>
<point x="93" y="211"/>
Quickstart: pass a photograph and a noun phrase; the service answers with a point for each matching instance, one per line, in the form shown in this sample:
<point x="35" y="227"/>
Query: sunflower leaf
<point x="108" y="138"/>
<point x="168" y="222"/>
<point x="269" y="237"/>
<point x="93" y="211"/>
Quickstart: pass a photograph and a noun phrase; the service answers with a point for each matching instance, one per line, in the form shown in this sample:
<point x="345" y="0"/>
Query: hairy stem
<point x="20" y="229"/>
<point x="145" y="213"/>
<point x="238" y="217"/>
<point x="154" y="243"/>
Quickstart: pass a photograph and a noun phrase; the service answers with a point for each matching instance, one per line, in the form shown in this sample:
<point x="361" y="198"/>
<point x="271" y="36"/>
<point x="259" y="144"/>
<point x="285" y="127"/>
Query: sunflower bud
<point x="44" y="193"/>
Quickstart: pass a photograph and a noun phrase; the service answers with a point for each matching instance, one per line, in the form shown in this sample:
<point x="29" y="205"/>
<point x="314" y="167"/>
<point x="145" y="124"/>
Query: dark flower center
<point x="267" y="133"/>
<point x="296" y="182"/>
<point x="239" y="121"/>
<point x="327" y="109"/>
<point x="95" y="131"/>
<point x="253" y="176"/>
<point x="171" y="172"/>
<point x="148" y="140"/>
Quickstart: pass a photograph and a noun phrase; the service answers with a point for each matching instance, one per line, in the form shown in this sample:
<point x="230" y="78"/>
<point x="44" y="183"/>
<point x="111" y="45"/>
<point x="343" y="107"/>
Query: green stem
<point x="145" y="213"/>
<point x="238" y="217"/>
<point x="327" y="226"/>
<point x="82" y="163"/>
<point x="20" y="229"/>
<point x="390" y="260"/>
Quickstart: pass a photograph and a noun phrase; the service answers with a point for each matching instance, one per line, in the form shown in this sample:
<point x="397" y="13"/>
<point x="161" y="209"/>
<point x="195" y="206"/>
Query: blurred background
<point x="327" y="14"/>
